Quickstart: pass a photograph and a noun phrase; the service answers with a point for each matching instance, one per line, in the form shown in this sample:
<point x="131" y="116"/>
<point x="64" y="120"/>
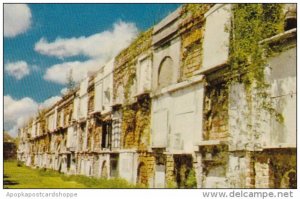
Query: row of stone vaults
<point x="181" y="108"/>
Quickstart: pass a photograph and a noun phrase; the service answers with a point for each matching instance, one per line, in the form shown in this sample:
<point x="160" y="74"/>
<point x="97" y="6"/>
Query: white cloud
<point x="100" y="48"/>
<point x="17" y="112"/>
<point x="17" y="69"/>
<point x="64" y="91"/>
<point x="49" y="102"/>
<point x="102" y="45"/>
<point x="15" y="108"/>
<point x="59" y="72"/>
<point x="17" y="19"/>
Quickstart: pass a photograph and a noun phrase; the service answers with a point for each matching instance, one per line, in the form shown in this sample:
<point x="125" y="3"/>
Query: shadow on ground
<point x="8" y="182"/>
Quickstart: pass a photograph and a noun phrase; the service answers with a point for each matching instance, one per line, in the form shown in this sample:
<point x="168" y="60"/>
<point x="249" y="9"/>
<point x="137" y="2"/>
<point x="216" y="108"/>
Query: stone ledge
<point x="211" y="142"/>
<point x="213" y="9"/>
<point x="166" y="21"/>
<point x="287" y="34"/>
<point x="179" y="85"/>
<point x="210" y="69"/>
<point x="280" y="146"/>
<point x="177" y="152"/>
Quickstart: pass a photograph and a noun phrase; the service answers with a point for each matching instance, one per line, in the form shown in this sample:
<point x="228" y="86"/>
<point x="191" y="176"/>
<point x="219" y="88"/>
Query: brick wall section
<point x="250" y="170"/>
<point x="124" y="75"/>
<point x="216" y="113"/>
<point x="262" y="170"/>
<point x="170" y="166"/>
<point x="271" y="167"/>
<point x="280" y="166"/>
<point x="90" y="135"/>
<point x="142" y="127"/>
<point x="43" y="124"/>
<point x="128" y="127"/>
<point x="91" y="94"/>
<point x="68" y="113"/>
<point x="148" y="171"/>
<point x="191" y="49"/>
<point x="191" y="30"/>
<point x="134" y="115"/>
<point x="47" y="142"/>
<point x="136" y="125"/>
<point x="97" y="137"/>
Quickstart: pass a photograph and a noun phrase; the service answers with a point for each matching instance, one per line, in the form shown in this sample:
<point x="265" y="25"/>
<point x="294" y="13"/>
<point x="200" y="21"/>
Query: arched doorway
<point x="142" y="177"/>
<point x="104" y="173"/>
<point x="165" y="72"/>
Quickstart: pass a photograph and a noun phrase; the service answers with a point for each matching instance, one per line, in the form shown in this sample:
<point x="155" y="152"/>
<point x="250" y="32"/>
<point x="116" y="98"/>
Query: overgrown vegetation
<point x="125" y="77"/>
<point x="191" y="181"/>
<point x="138" y="46"/>
<point x="20" y="176"/>
<point x="128" y="126"/>
<point x="195" y="10"/>
<point x="171" y="184"/>
<point x="251" y="23"/>
<point x="125" y="63"/>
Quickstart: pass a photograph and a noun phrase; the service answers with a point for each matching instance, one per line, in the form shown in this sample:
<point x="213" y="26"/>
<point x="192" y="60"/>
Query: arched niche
<point x="165" y="72"/>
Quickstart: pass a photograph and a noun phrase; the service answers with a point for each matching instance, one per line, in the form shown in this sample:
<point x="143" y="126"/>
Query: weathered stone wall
<point x="263" y="173"/>
<point x="145" y="175"/>
<point x="170" y="171"/>
<point x="124" y="76"/>
<point x="214" y="166"/>
<point x="90" y="135"/>
<point x="142" y="127"/>
<point x="192" y="30"/>
<point x="216" y="36"/>
<point x="273" y="170"/>
<point x="128" y="127"/>
<point x="91" y="94"/>
<point x="134" y="115"/>
<point x="97" y="136"/>
<point x="68" y="113"/>
<point x="136" y="125"/>
<point x="216" y="112"/>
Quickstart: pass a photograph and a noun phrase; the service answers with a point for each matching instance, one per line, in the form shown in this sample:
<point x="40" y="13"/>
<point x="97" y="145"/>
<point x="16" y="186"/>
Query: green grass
<point x="25" y="177"/>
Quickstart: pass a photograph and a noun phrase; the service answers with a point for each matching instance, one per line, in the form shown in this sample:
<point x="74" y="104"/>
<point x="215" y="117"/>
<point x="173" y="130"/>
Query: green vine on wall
<point x="138" y="46"/>
<point x="125" y="76"/>
<point x="251" y="23"/>
<point x="127" y="59"/>
<point x="128" y="85"/>
<point x="195" y="9"/>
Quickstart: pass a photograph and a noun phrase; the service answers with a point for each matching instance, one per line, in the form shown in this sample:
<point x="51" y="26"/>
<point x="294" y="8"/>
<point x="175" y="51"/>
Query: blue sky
<point x="43" y="42"/>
